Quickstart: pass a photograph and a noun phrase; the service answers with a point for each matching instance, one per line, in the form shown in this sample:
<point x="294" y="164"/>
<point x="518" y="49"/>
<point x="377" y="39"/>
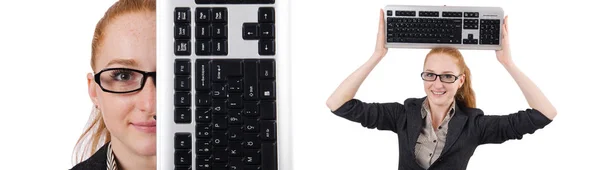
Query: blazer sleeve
<point x="383" y="116"/>
<point x="500" y="128"/>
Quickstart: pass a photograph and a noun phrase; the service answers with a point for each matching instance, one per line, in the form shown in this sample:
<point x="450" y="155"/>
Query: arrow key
<point x="267" y="31"/>
<point x="250" y="31"/>
<point x="266" y="47"/>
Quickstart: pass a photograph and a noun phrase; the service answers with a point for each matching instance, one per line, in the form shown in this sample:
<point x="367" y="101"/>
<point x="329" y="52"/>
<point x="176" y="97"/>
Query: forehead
<point x="440" y="63"/>
<point x="130" y="36"/>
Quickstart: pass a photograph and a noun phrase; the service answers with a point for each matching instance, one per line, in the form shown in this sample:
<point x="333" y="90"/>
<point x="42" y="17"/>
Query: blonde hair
<point x="465" y="94"/>
<point x="96" y="134"/>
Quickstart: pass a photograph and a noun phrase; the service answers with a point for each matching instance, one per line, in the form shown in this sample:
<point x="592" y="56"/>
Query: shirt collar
<point x="425" y="108"/>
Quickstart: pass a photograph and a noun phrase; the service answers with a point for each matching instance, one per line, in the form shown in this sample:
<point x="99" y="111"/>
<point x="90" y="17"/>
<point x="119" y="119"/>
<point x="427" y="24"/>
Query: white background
<point x="44" y="59"/>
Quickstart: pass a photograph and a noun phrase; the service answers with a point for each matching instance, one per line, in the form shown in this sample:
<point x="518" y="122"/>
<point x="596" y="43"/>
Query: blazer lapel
<point x="414" y="122"/>
<point x="455" y="128"/>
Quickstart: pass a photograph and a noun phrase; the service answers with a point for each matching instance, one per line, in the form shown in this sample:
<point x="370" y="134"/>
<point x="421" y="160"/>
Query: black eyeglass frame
<point x="438" y="76"/>
<point x="143" y="82"/>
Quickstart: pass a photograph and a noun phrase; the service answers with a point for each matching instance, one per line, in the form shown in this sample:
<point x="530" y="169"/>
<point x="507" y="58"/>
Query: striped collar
<point x="111" y="162"/>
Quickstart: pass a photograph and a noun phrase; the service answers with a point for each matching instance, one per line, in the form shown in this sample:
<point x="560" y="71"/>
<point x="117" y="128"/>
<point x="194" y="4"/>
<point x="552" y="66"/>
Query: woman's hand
<point x="503" y="55"/>
<point x="380" y="49"/>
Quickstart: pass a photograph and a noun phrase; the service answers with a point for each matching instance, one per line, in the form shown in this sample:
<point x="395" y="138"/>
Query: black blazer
<point x="467" y="129"/>
<point x="96" y="162"/>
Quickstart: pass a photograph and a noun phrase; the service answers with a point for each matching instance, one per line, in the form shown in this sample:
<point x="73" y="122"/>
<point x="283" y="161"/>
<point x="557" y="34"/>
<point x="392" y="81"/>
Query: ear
<point x="92" y="89"/>
<point x="461" y="80"/>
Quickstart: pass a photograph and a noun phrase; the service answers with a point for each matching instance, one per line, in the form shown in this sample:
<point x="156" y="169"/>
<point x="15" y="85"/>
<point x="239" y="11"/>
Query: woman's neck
<point x="128" y="160"/>
<point x="440" y="110"/>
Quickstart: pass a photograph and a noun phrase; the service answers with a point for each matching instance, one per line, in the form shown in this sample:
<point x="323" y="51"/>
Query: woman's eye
<point x="448" y="76"/>
<point x="429" y="74"/>
<point x="122" y="75"/>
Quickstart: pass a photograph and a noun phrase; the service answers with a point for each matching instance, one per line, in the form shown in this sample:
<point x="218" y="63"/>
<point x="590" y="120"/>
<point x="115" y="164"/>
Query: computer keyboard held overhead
<point x="462" y="27"/>
<point x="218" y="101"/>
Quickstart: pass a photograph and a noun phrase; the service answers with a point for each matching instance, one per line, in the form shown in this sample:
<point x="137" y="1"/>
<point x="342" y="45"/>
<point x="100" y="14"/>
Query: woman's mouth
<point x="438" y="93"/>
<point x="146" y="127"/>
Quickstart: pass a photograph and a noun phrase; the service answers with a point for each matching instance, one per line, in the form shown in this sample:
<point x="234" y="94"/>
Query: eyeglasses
<point x="122" y="80"/>
<point x="446" y="78"/>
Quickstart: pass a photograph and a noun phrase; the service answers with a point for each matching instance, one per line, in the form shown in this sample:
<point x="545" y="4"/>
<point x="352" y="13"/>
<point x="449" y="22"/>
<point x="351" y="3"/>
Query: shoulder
<point x="96" y="162"/>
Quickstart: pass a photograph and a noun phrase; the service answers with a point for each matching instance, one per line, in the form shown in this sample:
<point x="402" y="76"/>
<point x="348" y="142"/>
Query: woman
<point x="122" y="89"/>
<point x="443" y="129"/>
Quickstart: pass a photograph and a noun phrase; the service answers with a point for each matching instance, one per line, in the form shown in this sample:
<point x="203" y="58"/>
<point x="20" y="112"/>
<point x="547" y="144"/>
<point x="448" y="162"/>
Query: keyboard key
<point x="203" y="147"/>
<point x="183" y="157"/>
<point x="266" y="15"/>
<point x="203" y="115"/>
<point x="234" y="101"/>
<point x="219" y="47"/>
<point x="203" y="130"/>
<point x="219" y="139"/>
<point x="182" y="99"/>
<point x="203" y="15"/>
<point x="219" y="15"/>
<point x="267" y="89"/>
<point x="203" y="162"/>
<point x="235" y="116"/>
<point x="220" y="154"/>
<point x="183" y="141"/>
<point x="218" y="90"/>
<point x="266" y="47"/>
<point x="183" y="168"/>
<point x="235" y="133"/>
<point x="219" y="107"/>
<point x="250" y="31"/>
<point x="203" y="47"/>
<point x="267" y="69"/>
<point x="250" y="79"/>
<point x="251" y="109"/>
<point x="251" y="157"/>
<point x="267" y="110"/>
<point x="221" y="69"/>
<point x="182" y="47"/>
<point x="267" y="1"/>
<point x="267" y="31"/>
<point x="236" y="164"/>
<point x="182" y="15"/>
<point x="203" y="99"/>
<point x="219" y="30"/>
<point x="182" y="83"/>
<point x="250" y="125"/>
<point x="203" y="31"/>
<point x="268" y="130"/>
<point x="220" y="123"/>
<point x="234" y="85"/>
<point x="182" y="67"/>
<point x="183" y="115"/>
<point x="182" y="31"/>
<point x="203" y="75"/>
<point x="220" y="166"/>
<point x="269" y="156"/>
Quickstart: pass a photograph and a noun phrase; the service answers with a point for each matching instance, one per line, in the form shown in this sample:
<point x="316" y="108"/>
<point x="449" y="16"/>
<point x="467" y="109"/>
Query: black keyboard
<point x="435" y="26"/>
<point x="223" y="104"/>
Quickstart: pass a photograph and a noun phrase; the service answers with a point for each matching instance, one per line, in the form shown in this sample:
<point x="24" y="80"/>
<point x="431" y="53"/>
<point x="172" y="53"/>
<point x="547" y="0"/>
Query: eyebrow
<point x="125" y="62"/>
<point x="428" y="70"/>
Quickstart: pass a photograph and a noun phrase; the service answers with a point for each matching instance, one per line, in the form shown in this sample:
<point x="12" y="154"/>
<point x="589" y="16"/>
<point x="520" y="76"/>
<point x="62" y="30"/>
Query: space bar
<point x="269" y="156"/>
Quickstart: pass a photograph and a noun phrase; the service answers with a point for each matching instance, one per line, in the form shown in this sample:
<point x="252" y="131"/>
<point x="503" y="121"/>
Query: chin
<point x="439" y="100"/>
<point x="144" y="147"/>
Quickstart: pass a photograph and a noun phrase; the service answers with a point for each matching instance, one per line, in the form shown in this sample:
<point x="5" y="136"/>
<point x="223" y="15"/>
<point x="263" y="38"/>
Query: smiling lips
<point x="146" y="127"/>
<point x="438" y="93"/>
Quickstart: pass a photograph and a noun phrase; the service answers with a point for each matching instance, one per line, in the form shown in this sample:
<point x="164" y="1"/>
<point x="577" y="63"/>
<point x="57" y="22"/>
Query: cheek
<point x="115" y="109"/>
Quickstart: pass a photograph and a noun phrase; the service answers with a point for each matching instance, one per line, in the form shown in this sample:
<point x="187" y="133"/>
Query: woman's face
<point x="129" y="41"/>
<point x="438" y="92"/>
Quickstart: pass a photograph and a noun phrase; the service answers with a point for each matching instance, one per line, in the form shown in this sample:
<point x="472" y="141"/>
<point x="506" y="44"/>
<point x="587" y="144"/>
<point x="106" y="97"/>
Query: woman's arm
<point x="350" y="85"/>
<point x="533" y="94"/>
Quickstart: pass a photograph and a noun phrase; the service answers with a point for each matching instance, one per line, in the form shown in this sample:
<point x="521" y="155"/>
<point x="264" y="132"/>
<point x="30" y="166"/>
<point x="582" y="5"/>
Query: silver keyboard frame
<point x="238" y="48"/>
<point x="484" y="13"/>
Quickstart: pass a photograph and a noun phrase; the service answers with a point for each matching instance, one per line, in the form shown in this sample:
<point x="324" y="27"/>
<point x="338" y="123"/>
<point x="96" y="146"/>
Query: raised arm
<point x="533" y="94"/>
<point x="350" y="85"/>
<point x="496" y="128"/>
